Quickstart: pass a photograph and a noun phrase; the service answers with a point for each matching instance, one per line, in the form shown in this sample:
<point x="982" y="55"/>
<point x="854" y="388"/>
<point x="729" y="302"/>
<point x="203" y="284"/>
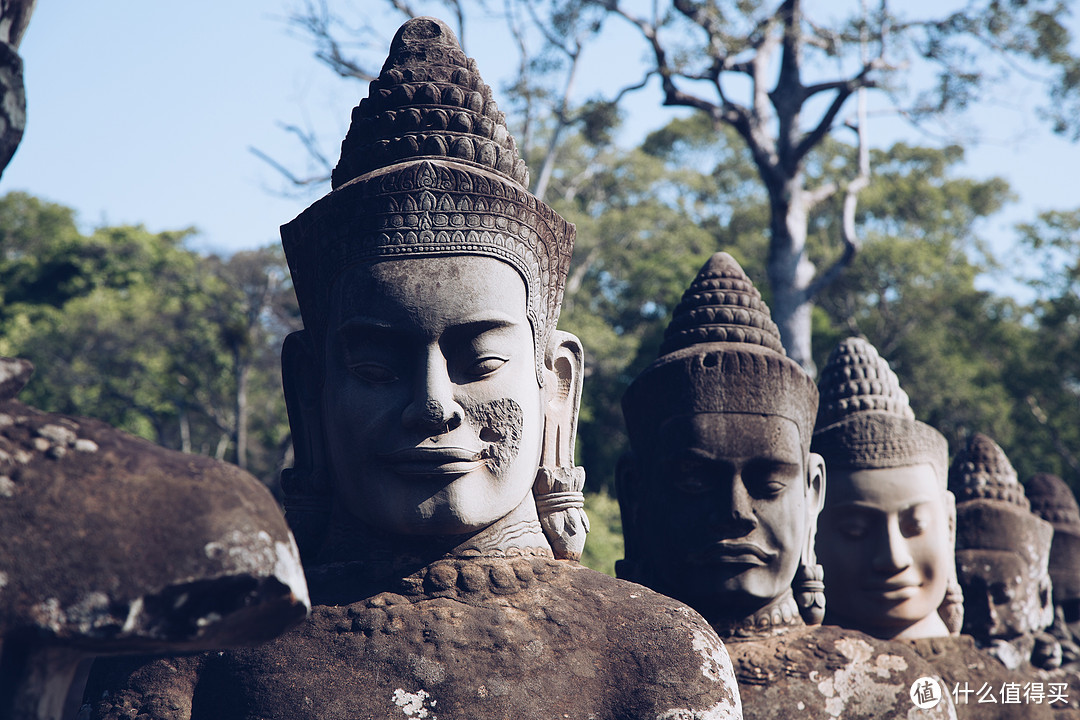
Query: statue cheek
<point x="500" y="424"/>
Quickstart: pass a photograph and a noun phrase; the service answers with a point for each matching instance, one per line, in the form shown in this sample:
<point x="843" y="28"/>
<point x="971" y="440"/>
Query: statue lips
<point x="891" y="591"/>
<point x="444" y="461"/>
<point x="732" y="553"/>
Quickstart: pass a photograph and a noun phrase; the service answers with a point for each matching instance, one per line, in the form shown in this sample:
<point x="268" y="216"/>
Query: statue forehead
<point x="444" y="281"/>
<point x="890" y="489"/>
<point x="993" y="564"/>
<point x="734" y="435"/>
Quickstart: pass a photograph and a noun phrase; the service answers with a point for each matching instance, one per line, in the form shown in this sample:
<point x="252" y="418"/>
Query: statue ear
<point x="628" y="491"/>
<point x="815" y="485"/>
<point x="301" y="377"/>
<point x="560" y="504"/>
<point x="808" y="583"/>
<point x="565" y="367"/>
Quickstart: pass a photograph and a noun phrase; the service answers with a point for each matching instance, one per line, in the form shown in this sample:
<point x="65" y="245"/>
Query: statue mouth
<point x="892" y="591"/>
<point x="434" y="461"/>
<point x="732" y="553"/>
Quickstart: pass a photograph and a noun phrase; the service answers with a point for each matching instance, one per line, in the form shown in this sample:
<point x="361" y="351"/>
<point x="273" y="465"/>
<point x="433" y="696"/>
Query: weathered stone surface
<point x="521" y="637"/>
<point x="962" y="666"/>
<point x="433" y="405"/>
<point x="719" y="500"/>
<point x="1002" y="556"/>
<point x="113" y="544"/>
<point x="829" y="672"/>
<point x="886" y="470"/>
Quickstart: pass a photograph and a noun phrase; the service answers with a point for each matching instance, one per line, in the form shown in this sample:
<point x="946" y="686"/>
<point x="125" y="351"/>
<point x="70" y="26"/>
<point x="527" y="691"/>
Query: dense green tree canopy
<point x="134" y="328"/>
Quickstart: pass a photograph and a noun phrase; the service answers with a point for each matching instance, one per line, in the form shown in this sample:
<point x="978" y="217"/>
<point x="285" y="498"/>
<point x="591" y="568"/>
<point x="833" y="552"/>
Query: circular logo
<point x="925" y="693"/>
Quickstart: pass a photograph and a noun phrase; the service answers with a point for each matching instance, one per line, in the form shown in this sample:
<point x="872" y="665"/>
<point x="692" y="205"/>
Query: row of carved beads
<point x="451" y="96"/>
<point x="864" y="399"/>
<point x="992" y="492"/>
<point x="456" y="69"/>
<point x="718" y="333"/>
<point x="520" y="569"/>
<point x="436" y="145"/>
<point x="723" y="314"/>
<point x="394" y="123"/>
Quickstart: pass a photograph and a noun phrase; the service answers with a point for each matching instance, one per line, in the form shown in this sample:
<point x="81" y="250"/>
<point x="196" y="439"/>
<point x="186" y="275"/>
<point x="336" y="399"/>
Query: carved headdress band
<point x="864" y="419"/>
<point x="429" y="168"/>
<point x="721" y="333"/>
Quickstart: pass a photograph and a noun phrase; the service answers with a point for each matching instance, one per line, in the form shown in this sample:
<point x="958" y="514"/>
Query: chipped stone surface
<point x="516" y="637"/>
<point x="829" y="672"/>
<point x="105" y="535"/>
<point x="956" y="660"/>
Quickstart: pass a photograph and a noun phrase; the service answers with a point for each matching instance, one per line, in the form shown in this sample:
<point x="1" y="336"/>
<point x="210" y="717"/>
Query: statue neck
<point x="356" y="560"/>
<point x="776" y="617"/>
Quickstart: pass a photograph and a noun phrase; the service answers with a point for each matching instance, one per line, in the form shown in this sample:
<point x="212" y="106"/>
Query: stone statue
<point x="1053" y="501"/>
<point x="719" y="498"/>
<point x="886" y="535"/>
<point x="111" y="544"/>
<point x="433" y="405"/>
<point x="1002" y="556"/>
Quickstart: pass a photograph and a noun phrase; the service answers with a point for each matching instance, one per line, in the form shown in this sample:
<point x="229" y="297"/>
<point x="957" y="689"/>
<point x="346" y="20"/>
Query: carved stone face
<point x="1001" y="597"/>
<point x="432" y="413"/>
<point x="724" y="508"/>
<point x="883" y="540"/>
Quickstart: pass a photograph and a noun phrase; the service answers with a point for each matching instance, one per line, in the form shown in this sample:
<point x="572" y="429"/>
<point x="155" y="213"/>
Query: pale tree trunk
<point x="790" y="272"/>
<point x="771" y="125"/>
<point x="243" y="371"/>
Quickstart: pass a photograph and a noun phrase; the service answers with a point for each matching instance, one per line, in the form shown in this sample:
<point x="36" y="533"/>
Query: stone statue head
<point x="1053" y="501"/>
<point x="885" y="538"/>
<point x="1002" y="548"/>
<point x="429" y="390"/>
<point x="720" y="493"/>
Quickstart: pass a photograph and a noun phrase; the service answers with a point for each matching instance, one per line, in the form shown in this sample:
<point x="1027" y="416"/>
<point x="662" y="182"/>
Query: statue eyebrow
<point x="361" y="322"/>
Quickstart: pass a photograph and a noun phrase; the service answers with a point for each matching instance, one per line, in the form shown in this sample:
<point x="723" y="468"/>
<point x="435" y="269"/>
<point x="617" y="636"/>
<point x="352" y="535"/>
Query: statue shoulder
<point x="680" y="666"/>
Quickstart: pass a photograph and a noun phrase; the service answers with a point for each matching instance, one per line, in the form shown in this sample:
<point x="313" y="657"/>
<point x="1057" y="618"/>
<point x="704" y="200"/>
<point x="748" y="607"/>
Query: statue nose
<point x="433" y="408"/>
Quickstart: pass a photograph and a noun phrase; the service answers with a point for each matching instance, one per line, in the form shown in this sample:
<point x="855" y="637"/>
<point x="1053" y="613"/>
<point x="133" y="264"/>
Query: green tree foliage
<point x="132" y="327"/>
<point x="1048" y="377"/>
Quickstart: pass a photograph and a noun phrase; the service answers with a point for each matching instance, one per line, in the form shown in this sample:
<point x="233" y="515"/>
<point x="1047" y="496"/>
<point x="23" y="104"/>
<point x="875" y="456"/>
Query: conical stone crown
<point x="865" y="420"/>
<point x="428" y="168"/>
<point x="428" y="102"/>
<point x="1053" y="501"/>
<point x="982" y="471"/>
<point x="857" y="379"/>
<point x="721" y="305"/>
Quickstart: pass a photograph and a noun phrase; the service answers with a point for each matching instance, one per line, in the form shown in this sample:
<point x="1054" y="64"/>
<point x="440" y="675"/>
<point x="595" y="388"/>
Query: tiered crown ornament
<point x="865" y="421"/>
<point x="982" y="471"/>
<point x="721" y="333"/>
<point x="429" y="168"/>
<point x="722" y="354"/>
<point x="1053" y="501"/>
<point x="992" y="510"/>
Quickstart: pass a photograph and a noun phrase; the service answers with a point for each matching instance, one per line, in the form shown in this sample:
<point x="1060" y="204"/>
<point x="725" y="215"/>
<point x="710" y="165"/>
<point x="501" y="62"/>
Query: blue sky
<point x="144" y="112"/>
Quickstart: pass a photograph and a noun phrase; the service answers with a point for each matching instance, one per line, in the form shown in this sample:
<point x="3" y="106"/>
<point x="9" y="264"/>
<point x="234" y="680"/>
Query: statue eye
<point x="689" y="477"/>
<point x="853" y="527"/>
<point x="486" y="365"/>
<point x="1000" y="593"/>
<point x="373" y="373"/>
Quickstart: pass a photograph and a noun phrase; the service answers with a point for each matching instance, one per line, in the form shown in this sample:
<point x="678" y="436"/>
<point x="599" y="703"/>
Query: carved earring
<point x="809" y="589"/>
<point x="951" y="610"/>
<point x="307" y="510"/>
<point x="560" y="504"/>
